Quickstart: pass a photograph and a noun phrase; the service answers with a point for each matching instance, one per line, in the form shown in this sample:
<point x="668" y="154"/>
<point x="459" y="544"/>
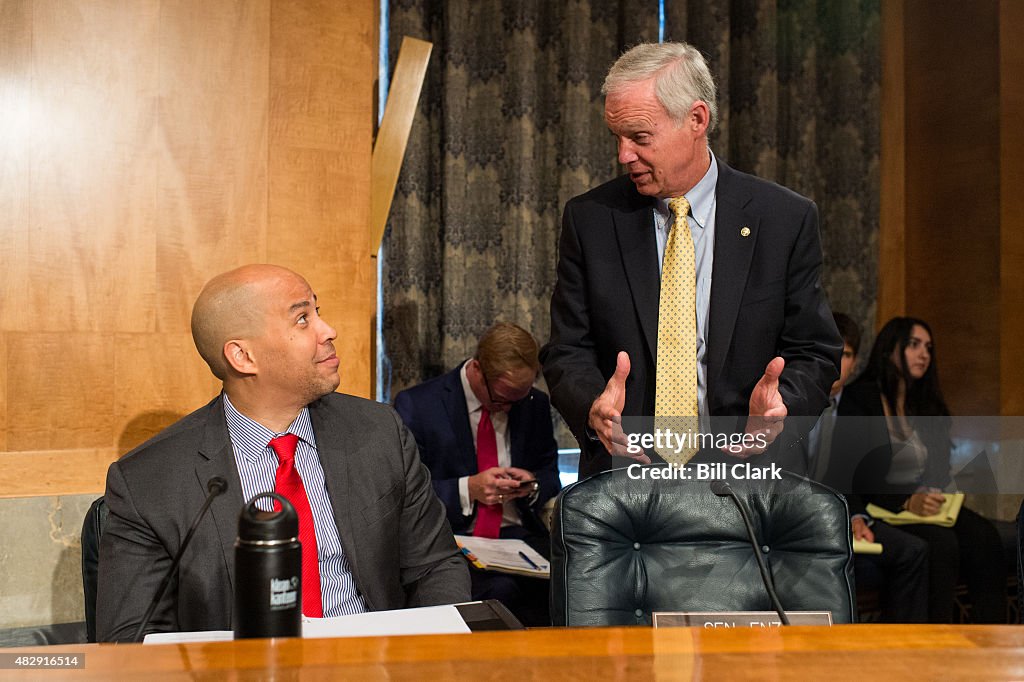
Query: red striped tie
<point x="287" y="482"/>
<point x="488" y="516"/>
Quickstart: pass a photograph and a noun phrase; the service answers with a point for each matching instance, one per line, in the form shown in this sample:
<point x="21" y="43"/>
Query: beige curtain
<point x="510" y="126"/>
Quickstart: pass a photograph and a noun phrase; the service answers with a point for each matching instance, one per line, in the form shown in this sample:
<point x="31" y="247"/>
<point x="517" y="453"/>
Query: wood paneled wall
<point x="952" y="235"/>
<point x="145" y="146"/>
<point x="1011" y="181"/>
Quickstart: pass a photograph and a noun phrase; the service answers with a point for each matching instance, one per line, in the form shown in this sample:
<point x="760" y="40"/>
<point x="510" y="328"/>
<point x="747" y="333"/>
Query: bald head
<point x="232" y="306"/>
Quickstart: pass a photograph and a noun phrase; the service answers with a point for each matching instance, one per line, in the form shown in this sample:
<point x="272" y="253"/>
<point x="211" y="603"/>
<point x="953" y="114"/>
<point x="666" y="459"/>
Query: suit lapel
<point x="634" y="229"/>
<point x="517" y="433"/>
<point x="335" y="462"/>
<point x="454" y="401"/>
<point x="216" y="458"/>
<point x="733" y="254"/>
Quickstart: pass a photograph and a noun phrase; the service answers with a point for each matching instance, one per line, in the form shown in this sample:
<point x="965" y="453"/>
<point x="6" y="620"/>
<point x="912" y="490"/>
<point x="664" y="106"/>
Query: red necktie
<point x="287" y="482"/>
<point x="488" y="516"/>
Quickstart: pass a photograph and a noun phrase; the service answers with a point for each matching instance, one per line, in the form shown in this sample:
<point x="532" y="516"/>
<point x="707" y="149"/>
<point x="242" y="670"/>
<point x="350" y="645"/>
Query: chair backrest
<point x="92" y="529"/>
<point x="1020" y="563"/>
<point x="624" y="548"/>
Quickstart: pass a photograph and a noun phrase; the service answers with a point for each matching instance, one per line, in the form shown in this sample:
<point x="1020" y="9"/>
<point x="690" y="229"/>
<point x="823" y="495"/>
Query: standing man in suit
<point x="761" y="345"/>
<point x="485" y="434"/>
<point x="374" y="536"/>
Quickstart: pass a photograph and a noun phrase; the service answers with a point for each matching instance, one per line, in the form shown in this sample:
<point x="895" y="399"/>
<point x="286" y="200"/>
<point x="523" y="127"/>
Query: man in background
<point x="485" y="434"/>
<point x="685" y="288"/>
<point x="374" y="537"/>
<point x="900" y="572"/>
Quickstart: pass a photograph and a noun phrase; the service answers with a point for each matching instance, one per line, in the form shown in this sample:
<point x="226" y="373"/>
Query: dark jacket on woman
<point x="862" y="451"/>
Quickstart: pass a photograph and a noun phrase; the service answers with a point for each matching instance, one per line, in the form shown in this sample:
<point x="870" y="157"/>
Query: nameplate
<point x="737" y="619"/>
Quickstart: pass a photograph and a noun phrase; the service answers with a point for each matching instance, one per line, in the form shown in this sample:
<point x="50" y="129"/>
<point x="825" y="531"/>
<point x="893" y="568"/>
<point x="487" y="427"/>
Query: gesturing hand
<point x="606" y="412"/>
<point x="766" y="413"/>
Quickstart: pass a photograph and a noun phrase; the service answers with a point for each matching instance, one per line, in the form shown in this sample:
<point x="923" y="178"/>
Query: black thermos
<point x="268" y="572"/>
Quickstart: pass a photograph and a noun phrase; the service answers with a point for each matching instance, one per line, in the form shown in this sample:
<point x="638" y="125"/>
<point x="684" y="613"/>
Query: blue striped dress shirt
<point x="257" y="466"/>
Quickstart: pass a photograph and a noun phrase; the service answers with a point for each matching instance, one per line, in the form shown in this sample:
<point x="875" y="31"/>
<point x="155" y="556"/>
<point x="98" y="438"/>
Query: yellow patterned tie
<point x="676" y="392"/>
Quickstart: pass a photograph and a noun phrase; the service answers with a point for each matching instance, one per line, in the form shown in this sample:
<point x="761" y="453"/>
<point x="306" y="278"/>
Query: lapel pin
<point x="744" y="231"/>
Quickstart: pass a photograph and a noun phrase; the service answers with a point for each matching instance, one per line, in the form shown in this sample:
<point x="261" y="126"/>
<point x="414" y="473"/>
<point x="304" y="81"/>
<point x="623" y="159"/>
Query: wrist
<point x="864" y="518"/>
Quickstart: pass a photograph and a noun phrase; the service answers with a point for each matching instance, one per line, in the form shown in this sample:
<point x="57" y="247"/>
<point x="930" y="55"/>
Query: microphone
<point x="723" y="489"/>
<point x="215" y="486"/>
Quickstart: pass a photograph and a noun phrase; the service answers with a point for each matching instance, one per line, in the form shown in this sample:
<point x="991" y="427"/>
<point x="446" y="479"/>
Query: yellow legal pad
<point x="946" y="517"/>
<point x="865" y="547"/>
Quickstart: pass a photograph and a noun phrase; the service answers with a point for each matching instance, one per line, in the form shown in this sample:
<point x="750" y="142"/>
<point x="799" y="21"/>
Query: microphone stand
<point x="723" y="489"/>
<point x="215" y="486"/>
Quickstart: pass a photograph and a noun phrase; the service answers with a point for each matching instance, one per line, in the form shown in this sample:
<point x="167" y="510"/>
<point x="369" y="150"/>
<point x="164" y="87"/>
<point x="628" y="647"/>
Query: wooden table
<point x="848" y="652"/>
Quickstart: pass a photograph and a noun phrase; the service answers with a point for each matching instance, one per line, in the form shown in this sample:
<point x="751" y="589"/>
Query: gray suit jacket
<point x="392" y="526"/>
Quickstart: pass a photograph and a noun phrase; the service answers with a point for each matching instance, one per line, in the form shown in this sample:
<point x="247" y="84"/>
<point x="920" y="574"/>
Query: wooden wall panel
<point x="60" y="390"/>
<point x="1011" y="176"/>
<point x="3" y="392"/>
<point x="213" y="156"/>
<point x="15" y="115"/>
<point x="92" y="171"/>
<point x="16" y="129"/>
<point x="146" y="146"/>
<point x="892" y="199"/>
<point x="321" y="132"/>
<point x="52" y="473"/>
<point x="952" y="193"/>
<point x="157" y="380"/>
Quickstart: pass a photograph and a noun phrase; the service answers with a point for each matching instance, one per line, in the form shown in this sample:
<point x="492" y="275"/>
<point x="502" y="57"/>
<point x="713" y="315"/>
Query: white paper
<point x="504" y="553"/>
<point x="186" y="637"/>
<point x="428" y="620"/>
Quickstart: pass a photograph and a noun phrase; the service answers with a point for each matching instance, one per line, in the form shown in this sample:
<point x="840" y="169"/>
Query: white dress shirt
<point x="510" y="515"/>
<point x="257" y="468"/>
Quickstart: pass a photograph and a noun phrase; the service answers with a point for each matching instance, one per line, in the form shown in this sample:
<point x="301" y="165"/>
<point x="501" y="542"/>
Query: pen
<point x="529" y="561"/>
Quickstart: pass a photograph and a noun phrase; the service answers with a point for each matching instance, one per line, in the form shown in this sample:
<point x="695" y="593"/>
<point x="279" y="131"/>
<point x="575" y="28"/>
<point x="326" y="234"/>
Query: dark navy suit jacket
<point x="435" y="411"/>
<point x="766" y="300"/>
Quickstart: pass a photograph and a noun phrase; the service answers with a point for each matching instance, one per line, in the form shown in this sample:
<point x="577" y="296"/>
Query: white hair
<point x="681" y="77"/>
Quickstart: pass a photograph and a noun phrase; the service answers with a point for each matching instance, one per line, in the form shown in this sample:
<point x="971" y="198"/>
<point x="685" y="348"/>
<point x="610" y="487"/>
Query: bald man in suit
<point x="381" y="537"/>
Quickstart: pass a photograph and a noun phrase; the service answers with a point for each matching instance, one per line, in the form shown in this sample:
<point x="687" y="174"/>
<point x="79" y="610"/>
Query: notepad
<point x="865" y="547"/>
<point x="946" y="517"/>
<point x="503" y="555"/>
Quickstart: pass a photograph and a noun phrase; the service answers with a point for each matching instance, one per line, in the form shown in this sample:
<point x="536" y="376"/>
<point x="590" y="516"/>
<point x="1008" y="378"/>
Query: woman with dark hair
<point x="903" y="464"/>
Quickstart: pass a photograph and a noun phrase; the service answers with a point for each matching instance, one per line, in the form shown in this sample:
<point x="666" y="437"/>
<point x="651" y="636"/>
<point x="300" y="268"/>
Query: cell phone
<point x="527" y="484"/>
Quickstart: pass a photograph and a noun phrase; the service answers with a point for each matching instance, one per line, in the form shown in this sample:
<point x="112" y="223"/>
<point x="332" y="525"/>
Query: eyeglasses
<point x="503" y="401"/>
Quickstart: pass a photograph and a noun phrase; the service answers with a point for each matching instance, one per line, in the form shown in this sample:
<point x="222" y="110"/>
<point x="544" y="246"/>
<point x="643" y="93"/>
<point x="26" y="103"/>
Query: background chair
<point x="623" y="548"/>
<point x="92" y="529"/>
<point x="1020" y="563"/>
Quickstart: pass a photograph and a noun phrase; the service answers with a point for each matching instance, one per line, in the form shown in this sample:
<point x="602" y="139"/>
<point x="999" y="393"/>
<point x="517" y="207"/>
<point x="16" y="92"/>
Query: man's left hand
<point x="767" y="413"/>
<point x="519" y="476"/>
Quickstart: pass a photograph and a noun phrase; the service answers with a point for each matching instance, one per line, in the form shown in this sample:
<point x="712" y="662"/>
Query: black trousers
<point x="970" y="550"/>
<point x="526" y="597"/>
<point x="899" y="573"/>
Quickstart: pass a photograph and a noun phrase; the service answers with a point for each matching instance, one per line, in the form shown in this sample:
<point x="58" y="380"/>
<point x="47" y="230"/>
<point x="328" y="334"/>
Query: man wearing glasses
<point x="485" y="434"/>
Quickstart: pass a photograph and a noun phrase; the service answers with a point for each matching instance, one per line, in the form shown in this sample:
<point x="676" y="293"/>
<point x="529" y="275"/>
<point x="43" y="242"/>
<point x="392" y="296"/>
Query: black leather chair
<point x="92" y="529"/>
<point x="623" y="548"/>
<point x="1020" y="563"/>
